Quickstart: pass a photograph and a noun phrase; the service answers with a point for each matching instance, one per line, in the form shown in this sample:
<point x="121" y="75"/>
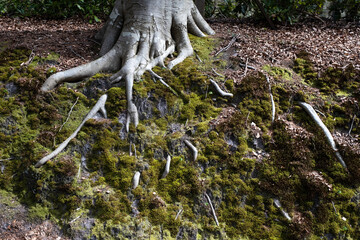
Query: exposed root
<point x="310" y="110"/>
<point x="178" y="214"/>
<point x="278" y="205"/>
<point x="99" y="106"/>
<point x="233" y="40"/>
<point x="220" y="91"/>
<point x="212" y="209"/>
<point x="156" y="76"/>
<point x="272" y="100"/>
<point x="167" y="167"/>
<point x="193" y="149"/>
<point x="138" y="36"/>
<point x="136" y="180"/>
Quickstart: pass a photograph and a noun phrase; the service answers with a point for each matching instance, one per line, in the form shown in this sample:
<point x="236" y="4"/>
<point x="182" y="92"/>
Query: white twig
<point x="212" y="209"/>
<point x="136" y="180"/>
<point x="310" y="110"/>
<point x="99" y="106"/>
<point x="153" y="74"/>
<point x="198" y="58"/>
<point x="75" y="218"/>
<point x="332" y="202"/>
<point x="233" y="40"/>
<point x="69" y="114"/>
<point x="272" y="99"/>
<point x="247" y="66"/>
<point x="220" y="91"/>
<point x="193" y="149"/>
<point x="178" y="214"/>
<point x="167" y="167"/>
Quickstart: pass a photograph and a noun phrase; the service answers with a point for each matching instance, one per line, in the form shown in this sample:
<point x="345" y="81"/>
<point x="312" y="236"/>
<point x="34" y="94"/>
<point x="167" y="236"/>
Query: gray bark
<point x="138" y="36"/>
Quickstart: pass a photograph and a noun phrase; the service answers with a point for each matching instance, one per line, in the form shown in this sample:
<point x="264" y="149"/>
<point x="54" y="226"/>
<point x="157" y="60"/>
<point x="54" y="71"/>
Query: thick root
<point x="138" y="36"/>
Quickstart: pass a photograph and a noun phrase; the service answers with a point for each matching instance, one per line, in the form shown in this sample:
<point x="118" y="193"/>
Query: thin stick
<point x="99" y="106"/>
<point x="198" y="58"/>
<point x="310" y="110"/>
<point x="69" y="113"/>
<point x="220" y="91"/>
<point x="212" y="209"/>
<point x="233" y="40"/>
<point x="153" y="74"/>
<point x="352" y="125"/>
<point x="193" y="148"/>
<point x="247" y="66"/>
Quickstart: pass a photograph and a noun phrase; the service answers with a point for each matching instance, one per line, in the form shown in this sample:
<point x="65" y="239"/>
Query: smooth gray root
<point x="193" y="149"/>
<point x="310" y="110"/>
<point x="272" y="99"/>
<point x="212" y="209"/>
<point x="167" y="167"/>
<point x="220" y="91"/>
<point x="283" y="212"/>
<point x="136" y="180"/>
<point x="138" y="36"/>
<point x="99" y="106"/>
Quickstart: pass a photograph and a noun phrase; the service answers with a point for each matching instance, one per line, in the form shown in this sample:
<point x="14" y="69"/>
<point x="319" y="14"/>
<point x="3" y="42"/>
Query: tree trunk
<point x="138" y="36"/>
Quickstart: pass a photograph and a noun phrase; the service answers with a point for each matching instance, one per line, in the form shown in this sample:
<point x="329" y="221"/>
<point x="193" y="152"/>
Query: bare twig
<point x="153" y="74"/>
<point x="233" y="40"/>
<point x="99" y="106"/>
<point x="278" y="205"/>
<point x="198" y="58"/>
<point x="31" y="57"/>
<point x="76" y="53"/>
<point x="247" y="66"/>
<point x="212" y="209"/>
<point x="220" y="91"/>
<point x="69" y="113"/>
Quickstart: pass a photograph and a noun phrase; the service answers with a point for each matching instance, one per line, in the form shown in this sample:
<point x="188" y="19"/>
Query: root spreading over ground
<point x="138" y="36"/>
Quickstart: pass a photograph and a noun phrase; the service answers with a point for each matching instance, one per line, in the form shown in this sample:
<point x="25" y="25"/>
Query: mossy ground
<point x="245" y="161"/>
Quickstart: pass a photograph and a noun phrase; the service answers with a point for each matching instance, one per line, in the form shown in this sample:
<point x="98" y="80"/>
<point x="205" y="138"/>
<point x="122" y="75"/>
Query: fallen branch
<point x="233" y="40"/>
<point x="310" y="110"/>
<point x="246" y="67"/>
<point x="167" y="167"/>
<point x="193" y="149"/>
<point x="136" y="180"/>
<point x="99" y="106"/>
<point x="220" y="91"/>
<point x="212" y="209"/>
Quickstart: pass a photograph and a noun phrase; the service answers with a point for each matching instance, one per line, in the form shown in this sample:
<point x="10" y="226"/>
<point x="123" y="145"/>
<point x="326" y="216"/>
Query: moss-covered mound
<point x="265" y="179"/>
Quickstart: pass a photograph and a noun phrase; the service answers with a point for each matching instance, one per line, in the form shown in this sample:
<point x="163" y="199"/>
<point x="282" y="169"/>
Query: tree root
<point x="310" y="110"/>
<point x="272" y="99"/>
<point x="278" y="205"/>
<point x="193" y="149"/>
<point x="138" y="36"/>
<point x="99" y="106"/>
<point x="220" y="91"/>
<point x="212" y="209"/>
<point x="136" y="180"/>
<point x="178" y="213"/>
<point x="167" y="167"/>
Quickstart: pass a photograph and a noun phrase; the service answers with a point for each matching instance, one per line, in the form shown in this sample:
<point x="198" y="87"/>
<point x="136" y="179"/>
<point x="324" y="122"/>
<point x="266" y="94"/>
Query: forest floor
<point x="254" y="46"/>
